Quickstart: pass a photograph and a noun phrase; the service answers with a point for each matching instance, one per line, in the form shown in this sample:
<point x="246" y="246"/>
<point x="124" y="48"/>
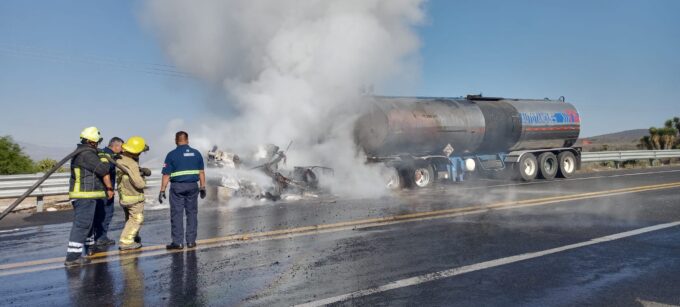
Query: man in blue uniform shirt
<point x="104" y="212"/>
<point x="183" y="168"/>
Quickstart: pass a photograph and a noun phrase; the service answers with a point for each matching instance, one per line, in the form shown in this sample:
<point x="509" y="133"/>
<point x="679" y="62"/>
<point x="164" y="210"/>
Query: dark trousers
<point x="83" y="215"/>
<point x="102" y="219"/>
<point x="183" y="199"/>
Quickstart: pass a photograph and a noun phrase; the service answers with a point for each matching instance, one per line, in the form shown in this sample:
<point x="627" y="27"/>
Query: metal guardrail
<point x="628" y="155"/>
<point x="13" y="186"/>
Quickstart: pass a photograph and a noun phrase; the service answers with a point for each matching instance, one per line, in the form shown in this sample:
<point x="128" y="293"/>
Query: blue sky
<point x="65" y="65"/>
<point x="617" y="61"/>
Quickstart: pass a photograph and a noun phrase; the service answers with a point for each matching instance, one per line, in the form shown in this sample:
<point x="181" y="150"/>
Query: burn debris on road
<point x="243" y="178"/>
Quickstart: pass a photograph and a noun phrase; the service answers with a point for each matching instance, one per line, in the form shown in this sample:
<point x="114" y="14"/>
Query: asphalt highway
<point x="610" y="238"/>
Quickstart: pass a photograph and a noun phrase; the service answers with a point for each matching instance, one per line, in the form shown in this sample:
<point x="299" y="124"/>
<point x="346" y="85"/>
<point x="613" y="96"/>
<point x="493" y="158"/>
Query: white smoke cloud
<point x="292" y="69"/>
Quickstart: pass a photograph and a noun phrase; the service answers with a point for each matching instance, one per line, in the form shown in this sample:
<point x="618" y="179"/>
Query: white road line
<point x="9" y="230"/>
<point x="482" y="265"/>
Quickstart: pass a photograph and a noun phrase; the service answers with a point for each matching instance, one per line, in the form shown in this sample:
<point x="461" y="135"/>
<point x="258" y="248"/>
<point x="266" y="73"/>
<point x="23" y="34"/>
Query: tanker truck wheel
<point x="423" y="176"/>
<point x="527" y="167"/>
<point x="392" y="177"/>
<point x="567" y="163"/>
<point x="548" y="165"/>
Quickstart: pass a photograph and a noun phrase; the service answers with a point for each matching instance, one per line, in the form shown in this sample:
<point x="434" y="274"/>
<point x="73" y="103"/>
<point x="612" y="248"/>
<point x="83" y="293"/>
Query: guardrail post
<point x="39" y="206"/>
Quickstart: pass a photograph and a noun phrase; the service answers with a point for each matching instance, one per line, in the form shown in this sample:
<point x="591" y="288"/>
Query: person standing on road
<point x="183" y="167"/>
<point x="90" y="182"/>
<point x="131" y="186"/>
<point x="104" y="212"/>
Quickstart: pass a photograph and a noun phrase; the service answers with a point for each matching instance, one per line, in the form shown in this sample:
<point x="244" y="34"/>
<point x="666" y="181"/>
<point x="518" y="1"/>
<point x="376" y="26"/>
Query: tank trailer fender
<point x="409" y="161"/>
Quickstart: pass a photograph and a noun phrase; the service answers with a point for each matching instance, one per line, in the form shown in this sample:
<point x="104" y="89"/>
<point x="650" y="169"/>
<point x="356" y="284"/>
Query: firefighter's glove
<point x="202" y="193"/>
<point x="161" y="196"/>
<point x="145" y="171"/>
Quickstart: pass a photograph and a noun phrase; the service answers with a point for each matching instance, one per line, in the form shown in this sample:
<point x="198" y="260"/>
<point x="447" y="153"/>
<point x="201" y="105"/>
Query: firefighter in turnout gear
<point x="131" y="184"/>
<point x="89" y="184"/>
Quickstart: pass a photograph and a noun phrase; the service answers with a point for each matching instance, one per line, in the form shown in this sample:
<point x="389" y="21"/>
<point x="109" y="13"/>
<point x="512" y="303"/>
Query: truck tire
<point x="393" y="178"/>
<point x="548" y="165"/>
<point x="504" y="174"/>
<point x="311" y="179"/>
<point x="567" y="163"/>
<point x="527" y="167"/>
<point x="423" y="176"/>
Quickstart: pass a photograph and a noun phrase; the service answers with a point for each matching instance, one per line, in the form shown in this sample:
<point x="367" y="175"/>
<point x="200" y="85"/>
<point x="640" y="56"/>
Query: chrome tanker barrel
<point x="546" y="124"/>
<point x="419" y="126"/>
<point x="471" y="125"/>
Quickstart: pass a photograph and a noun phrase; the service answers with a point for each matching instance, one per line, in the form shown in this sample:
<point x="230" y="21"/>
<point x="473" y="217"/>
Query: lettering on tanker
<point x="544" y="118"/>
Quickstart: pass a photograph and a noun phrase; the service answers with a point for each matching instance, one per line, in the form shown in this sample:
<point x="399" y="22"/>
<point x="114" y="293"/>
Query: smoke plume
<point x="292" y="70"/>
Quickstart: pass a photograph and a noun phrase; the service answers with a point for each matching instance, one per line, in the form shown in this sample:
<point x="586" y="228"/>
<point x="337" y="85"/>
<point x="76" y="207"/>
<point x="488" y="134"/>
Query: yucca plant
<point x="645" y="143"/>
<point x="672" y="137"/>
<point x="676" y="121"/>
<point x="668" y="124"/>
<point x="667" y="137"/>
<point x="655" y="138"/>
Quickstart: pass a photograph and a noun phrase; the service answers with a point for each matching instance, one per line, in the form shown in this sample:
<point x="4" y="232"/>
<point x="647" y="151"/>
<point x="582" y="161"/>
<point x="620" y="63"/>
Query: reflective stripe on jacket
<point x="130" y="187"/>
<point x="102" y="157"/>
<point x="183" y="164"/>
<point x="103" y="154"/>
<point x="182" y="173"/>
<point x="86" y="175"/>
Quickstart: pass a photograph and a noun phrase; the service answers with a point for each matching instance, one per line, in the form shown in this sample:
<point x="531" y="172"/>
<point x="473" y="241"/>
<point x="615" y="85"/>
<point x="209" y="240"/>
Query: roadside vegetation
<point x="14" y="161"/>
<point x="658" y="138"/>
<point x="665" y="137"/>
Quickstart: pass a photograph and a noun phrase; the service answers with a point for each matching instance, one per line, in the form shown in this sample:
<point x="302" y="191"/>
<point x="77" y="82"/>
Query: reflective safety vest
<point x="77" y="193"/>
<point x="86" y="173"/>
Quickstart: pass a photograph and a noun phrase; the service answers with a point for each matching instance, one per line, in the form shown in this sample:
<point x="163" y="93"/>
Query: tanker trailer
<point x="425" y="139"/>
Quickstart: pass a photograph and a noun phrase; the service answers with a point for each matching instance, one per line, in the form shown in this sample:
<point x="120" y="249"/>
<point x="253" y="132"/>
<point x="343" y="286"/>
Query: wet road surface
<point x="448" y="245"/>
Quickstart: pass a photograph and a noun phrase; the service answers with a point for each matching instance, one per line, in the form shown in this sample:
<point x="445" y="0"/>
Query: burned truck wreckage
<point x="422" y="140"/>
<point x="260" y="177"/>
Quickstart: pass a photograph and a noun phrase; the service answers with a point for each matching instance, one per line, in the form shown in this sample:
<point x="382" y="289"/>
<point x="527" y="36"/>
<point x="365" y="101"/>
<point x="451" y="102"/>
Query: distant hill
<point x="624" y="140"/>
<point x="39" y="152"/>
<point x="620" y="137"/>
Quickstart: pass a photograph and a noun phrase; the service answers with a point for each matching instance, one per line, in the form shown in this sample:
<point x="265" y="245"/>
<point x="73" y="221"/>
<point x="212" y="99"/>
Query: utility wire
<point x="44" y="54"/>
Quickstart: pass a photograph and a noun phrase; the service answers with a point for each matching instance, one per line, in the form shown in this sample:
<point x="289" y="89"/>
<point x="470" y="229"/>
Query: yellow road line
<point x="333" y="227"/>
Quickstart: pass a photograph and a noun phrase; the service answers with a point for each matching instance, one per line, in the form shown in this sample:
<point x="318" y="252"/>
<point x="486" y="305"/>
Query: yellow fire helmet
<point x="135" y="145"/>
<point x="91" y="134"/>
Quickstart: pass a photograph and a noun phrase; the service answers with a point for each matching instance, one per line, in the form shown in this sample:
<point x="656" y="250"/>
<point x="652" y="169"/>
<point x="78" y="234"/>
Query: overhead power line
<point x="45" y="54"/>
